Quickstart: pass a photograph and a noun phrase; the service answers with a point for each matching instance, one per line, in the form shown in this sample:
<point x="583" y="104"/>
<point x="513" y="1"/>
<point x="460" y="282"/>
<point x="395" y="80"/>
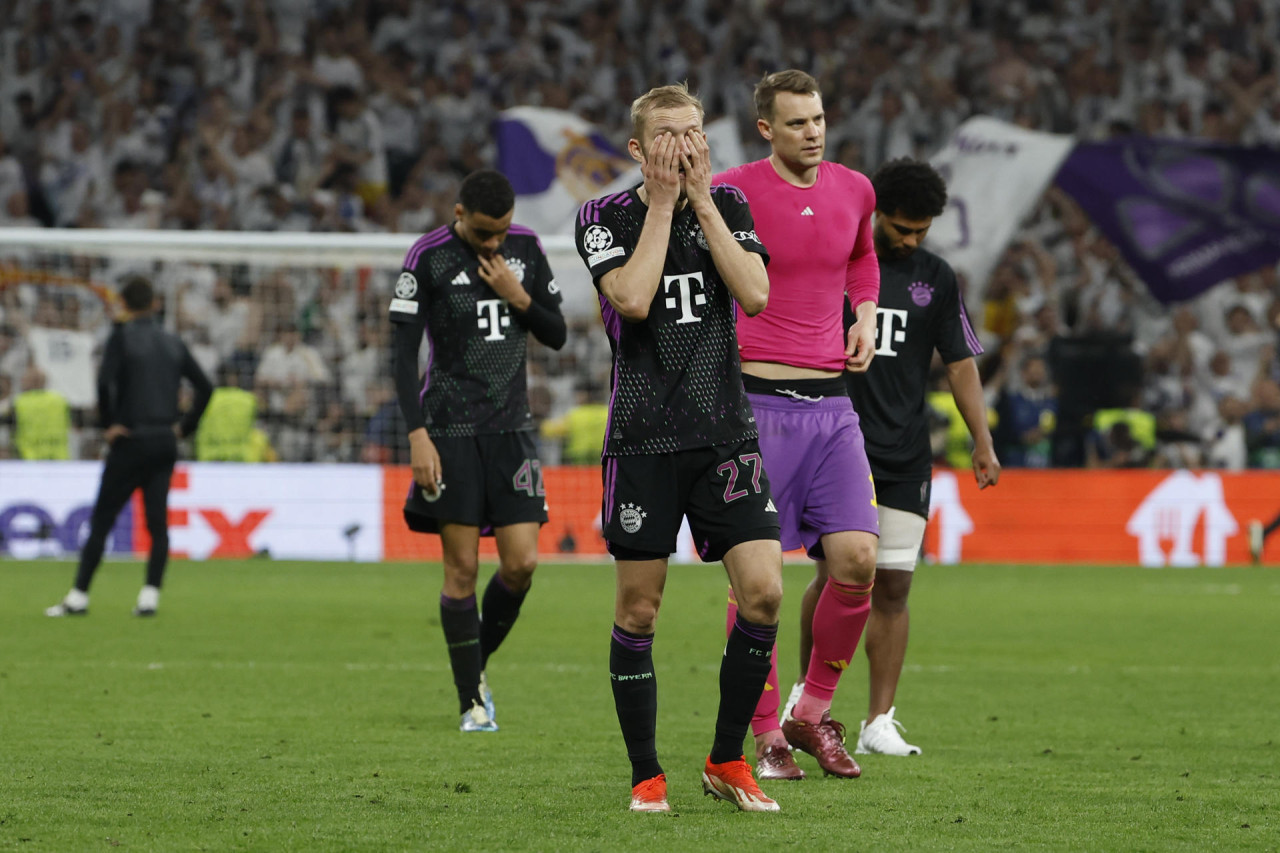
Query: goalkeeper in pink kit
<point x="815" y="218"/>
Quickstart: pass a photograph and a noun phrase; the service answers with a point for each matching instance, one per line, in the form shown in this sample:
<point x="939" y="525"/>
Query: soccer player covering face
<point x="672" y="259"/>
<point x="920" y="310"/>
<point x="477" y="287"/>
<point x="815" y="217"/>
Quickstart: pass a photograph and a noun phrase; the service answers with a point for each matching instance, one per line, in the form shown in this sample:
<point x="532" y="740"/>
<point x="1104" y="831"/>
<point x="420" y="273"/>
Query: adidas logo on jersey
<point x="808" y="211"/>
<point x="461" y="278"/>
<point x="769" y="507"/>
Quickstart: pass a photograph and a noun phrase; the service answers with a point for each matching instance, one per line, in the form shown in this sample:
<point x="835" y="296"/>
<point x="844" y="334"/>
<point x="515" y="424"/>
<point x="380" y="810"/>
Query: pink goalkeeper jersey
<point x="820" y="248"/>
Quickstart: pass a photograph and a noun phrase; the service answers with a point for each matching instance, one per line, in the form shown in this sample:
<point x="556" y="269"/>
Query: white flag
<point x="995" y="174"/>
<point x="556" y="161"/>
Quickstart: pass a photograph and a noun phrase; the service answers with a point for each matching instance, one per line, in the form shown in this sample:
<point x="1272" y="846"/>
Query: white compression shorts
<point x="901" y="535"/>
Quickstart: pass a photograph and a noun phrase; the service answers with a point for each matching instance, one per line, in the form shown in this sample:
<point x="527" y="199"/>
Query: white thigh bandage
<point x="901" y="535"/>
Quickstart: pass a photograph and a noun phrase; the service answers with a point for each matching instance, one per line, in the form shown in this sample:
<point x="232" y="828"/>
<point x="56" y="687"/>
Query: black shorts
<point x="723" y="490"/>
<point x="489" y="481"/>
<point x="907" y="495"/>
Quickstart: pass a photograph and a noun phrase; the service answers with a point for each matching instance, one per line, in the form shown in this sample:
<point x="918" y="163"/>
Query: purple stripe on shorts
<point x="468" y="603"/>
<point x="610" y="481"/>
<point x="636" y="644"/>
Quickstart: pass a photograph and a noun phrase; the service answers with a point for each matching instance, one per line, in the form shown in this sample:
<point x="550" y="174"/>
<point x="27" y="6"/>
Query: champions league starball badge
<point x="406" y="286"/>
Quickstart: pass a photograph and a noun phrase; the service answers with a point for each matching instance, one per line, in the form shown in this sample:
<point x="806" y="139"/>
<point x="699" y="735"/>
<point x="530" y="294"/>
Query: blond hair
<point x="661" y="98"/>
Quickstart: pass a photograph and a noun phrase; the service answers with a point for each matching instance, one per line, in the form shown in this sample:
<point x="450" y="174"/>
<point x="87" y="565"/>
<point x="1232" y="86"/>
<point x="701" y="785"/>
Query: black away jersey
<point x="919" y="310"/>
<point x="475" y="381"/>
<point x="677" y="383"/>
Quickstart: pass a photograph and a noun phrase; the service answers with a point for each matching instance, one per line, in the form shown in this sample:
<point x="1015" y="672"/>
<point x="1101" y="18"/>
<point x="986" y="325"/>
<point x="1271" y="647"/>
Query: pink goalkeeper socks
<point x="838" y="622"/>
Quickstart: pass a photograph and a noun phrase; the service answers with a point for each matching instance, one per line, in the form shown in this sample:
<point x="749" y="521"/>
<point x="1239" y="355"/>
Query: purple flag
<point x="1185" y="215"/>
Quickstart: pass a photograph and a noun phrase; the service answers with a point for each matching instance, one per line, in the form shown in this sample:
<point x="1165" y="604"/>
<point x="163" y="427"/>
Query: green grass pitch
<point x="290" y="706"/>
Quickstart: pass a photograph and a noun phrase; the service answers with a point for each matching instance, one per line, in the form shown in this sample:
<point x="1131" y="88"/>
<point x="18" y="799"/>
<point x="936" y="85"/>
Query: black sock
<point x="635" y="695"/>
<point x="461" y="623"/>
<point x="501" y="607"/>
<point x="743" y="672"/>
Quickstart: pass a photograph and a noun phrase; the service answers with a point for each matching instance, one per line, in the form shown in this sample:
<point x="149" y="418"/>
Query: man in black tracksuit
<point x="142" y="366"/>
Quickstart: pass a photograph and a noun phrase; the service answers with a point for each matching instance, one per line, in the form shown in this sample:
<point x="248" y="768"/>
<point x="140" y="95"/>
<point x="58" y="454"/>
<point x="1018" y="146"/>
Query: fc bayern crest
<point x="700" y="238"/>
<point x="517" y="267"/>
<point x="406" y="286"/>
<point x="921" y="293"/>
<point x="597" y="238"/>
<point x="631" y="517"/>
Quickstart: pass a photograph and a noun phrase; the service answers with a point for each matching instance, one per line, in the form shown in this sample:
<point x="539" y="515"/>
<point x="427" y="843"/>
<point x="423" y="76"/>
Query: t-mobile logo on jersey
<point x="493" y="318"/>
<point x="686" y="296"/>
<point x="891" y="328"/>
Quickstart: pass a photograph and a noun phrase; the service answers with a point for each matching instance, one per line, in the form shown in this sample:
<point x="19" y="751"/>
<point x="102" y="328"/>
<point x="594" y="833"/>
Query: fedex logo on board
<point x="231" y="534"/>
<point x="43" y="522"/>
<point x="30" y="529"/>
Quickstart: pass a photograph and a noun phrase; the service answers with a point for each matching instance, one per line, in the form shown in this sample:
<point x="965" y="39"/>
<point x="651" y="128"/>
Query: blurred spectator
<point x="581" y="429"/>
<point x="1227" y="446"/>
<point x="386" y="438"/>
<point x="12" y="181"/>
<point x="41" y="420"/>
<point x="229" y="432"/>
<point x="6" y="416"/>
<point x="1177" y="446"/>
<point x="287" y="370"/>
<point x="1026" y="416"/>
<point x="361" y="367"/>
<point x="1113" y="445"/>
<point x="74" y="170"/>
<point x="357" y="142"/>
<point x="133" y="113"/>
<point x="301" y="154"/>
<point x="1262" y="426"/>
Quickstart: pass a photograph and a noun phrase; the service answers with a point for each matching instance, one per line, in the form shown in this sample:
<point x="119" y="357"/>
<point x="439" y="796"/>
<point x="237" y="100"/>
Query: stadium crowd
<point x="364" y="115"/>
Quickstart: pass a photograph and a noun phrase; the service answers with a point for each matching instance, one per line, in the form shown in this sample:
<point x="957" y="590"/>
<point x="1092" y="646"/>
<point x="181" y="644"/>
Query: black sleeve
<point x="736" y="212"/>
<point x="195" y="374"/>
<point x="404" y="365"/>
<point x="546" y="323"/>
<point x="109" y="377"/>
<point x="543" y="316"/>
<point x="603" y="243"/>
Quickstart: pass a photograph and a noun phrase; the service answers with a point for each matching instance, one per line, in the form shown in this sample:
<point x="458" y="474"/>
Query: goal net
<point x="299" y="320"/>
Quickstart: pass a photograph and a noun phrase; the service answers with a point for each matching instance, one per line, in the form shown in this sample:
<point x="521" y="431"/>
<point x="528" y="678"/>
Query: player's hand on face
<point x="862" y="345"/>
<point x="424" y="460"/>
<point x="661" y="171"/>
<point x="498" y="275"/>
<point x="695" y="158"/>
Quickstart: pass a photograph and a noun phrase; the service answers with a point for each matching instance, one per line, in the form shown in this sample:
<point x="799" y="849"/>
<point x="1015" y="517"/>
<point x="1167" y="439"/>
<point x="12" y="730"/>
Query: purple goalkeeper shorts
<point x="817" y="467"/>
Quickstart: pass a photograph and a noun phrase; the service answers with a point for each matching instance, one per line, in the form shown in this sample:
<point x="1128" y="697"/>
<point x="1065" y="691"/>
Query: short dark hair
<point x="137" y="294"/>
<point x="487" y="191"/>
<point x="909" y="188"/>
<point x="792" y="80"/>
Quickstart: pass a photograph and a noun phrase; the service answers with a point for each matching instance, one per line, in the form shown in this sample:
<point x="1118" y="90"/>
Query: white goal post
<point x="336" y="250"/>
